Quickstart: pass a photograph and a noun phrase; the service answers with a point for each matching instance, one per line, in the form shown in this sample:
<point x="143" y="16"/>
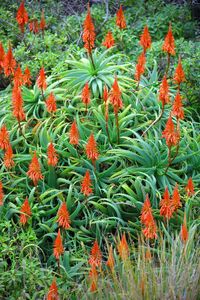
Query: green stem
<point x="117" y="125"/>
<point x="169" y="160"/>
<point x="168" y="64"/>
<point x="155" y="121"/>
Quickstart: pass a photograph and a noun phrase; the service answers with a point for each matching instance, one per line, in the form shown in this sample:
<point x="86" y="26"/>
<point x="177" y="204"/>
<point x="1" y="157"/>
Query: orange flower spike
<point x="74" y="134"/>
<point x="164" y="91"/>
<point x="17" y="101"/>
<point x="4" y="138"/>
<point x="27" y="77"/>
<point x="1" y="193"/>
<point x="8" y="158"/>
<point x="33" y="26"/>
<point x="145" y="39"/>
<point x="85" y="95"/>
<point x="34" y="171"/>
<point x="105" y="94"/>
<point x="86" y="184"/>
<point x="95" y="255"/>
<point x="171" y="136"/>
<point x="111" y="262"/>
<point x="93" y="275"/>
<point x="63" y="216"/>
<point x="177" y="109"/>
<point x="91" y="149"/>
<point x="53" y="291"/>
<point x="120" y="18"/>
<point x="2" y="55"/>
<point x="146" y="212"/>
<point x="109" y="40"/>
<point x="9" y="62"/>
<point x="52" y="155"/>
<point x="42" y="22"/>
<point x="18" y="77"/>
<point x="176" y="200"/>
<point x="123" y="248"/>
<point x="184" y="231"/>
<point x="150" y="230"/>
<point x="140" y="67"/>
<point x="88" y="32"/>
<point x="41" y="80"/>
<point x="22" y="16"/>
<point x="25" y="212"/>
<point x="169" y="45"/>
<point x="179" y="75"/>
<point x="115" y="96"/>
<point x="190" y="187"/>
<point x="58" y="246"/>
<point x="166" y="205"/>
<point x="51" y="103"/>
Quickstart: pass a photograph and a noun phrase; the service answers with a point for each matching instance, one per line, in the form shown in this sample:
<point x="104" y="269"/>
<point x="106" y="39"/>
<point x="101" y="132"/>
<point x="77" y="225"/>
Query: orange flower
<point x="177" y="109"/>
<point x="86" y="184"/>
<point x="74" y="134"/>
<point x="145" y="39"/>
<point x="150" y="230"/>
<point x="52" y="155"/>
<point x="120" y="19"/>
<point x="179" y="75"/>
<point x="146" y="212"/>
<point x="53" y="291"/>
<point x="25" y="212"/>
<point x="91" y="149"/>
<point x="176" y="200"/>
<point x="170" y="134"/>
<point x="33" y="26"/>
<point x="18" y="77"/>
<point x="51" y="103"/>
<point x="86" y="94"/>
<point x="8" y="158"/>
<point x="122" y="248"/>
<point x="58" y="246"/>
<point x="41" y="80"/>
<point x="63" y="216"/>
<point x="1" y="193"/>
<point x="93" y="275"/>
<point x="140" y="67"/>
<point x="110" y="262"/>
<point x="184" y="231"/>
<point x="34" y="171"/>
<point x="169" y="45"/>
<point x="95" y="255"/>
<point x="105" y="93"/>
<point x="164" y="91"/>
<point x="2" y="55"/>
<point x="166" y="205"/>
<point x="115" y="96"/>
<point x="4" y="138"/>
<point x="9" y="62"/>
<point x="109" y="40"/>
<point x="190" y="187"/>
<point x="88" y="32"/>
<point x="22" y="16"/>
<point x="17" y="102"/>
<point x="27" y="77"/>
<point x="42" y="22"/>
<point x="147" y="219"/>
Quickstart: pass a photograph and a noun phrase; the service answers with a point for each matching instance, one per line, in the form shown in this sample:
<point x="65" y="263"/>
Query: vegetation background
<point x="125" y="171"/>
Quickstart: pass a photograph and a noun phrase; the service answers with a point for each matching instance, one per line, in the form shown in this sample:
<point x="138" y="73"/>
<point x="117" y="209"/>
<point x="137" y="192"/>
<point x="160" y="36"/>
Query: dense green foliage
<point x="125" y="172"/>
